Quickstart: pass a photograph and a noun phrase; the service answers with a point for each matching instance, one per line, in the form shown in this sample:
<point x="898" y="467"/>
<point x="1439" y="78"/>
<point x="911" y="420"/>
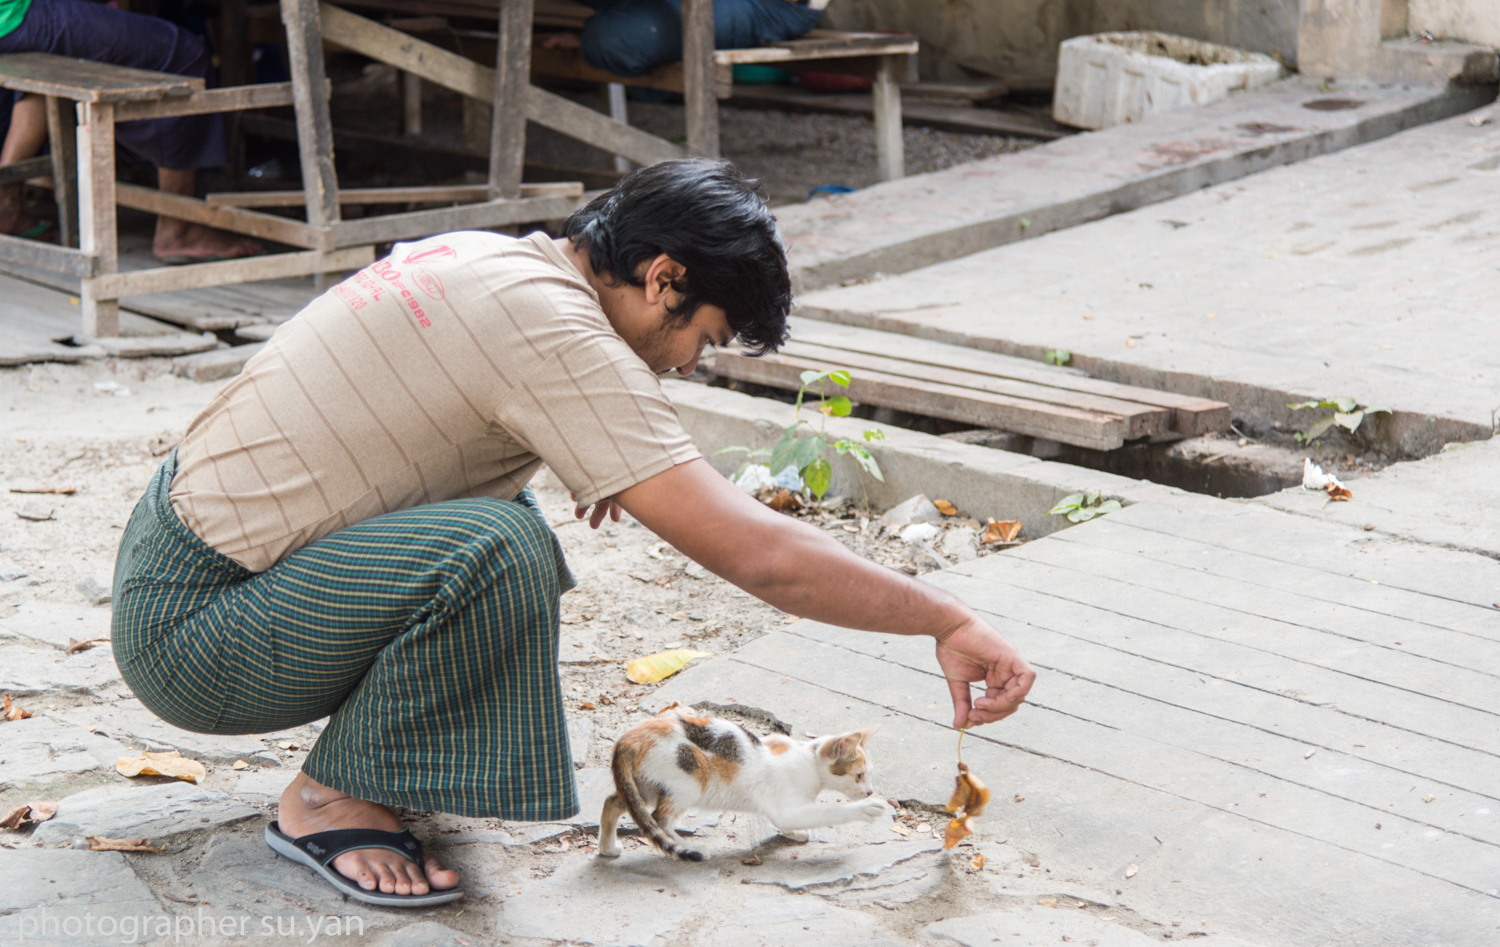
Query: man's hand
<point x="977" y="652"/>
<point x="604" y="507"/>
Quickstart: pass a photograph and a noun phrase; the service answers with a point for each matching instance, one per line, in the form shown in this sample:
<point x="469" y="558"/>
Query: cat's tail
<point x="622" y="765"/>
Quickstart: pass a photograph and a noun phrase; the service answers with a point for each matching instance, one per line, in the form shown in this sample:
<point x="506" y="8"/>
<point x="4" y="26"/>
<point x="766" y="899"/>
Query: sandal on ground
<point x="318" y="850"/>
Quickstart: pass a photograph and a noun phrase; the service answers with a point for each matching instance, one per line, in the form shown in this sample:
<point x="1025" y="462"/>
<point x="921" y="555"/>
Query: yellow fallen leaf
<point x="240" y="764"/>
<point x="14" y="711"/>
<point x="171" y="763"/>
<point x="945" y="508"/>
<point x="660" y="666"/>
<point x="97" y="843"/>
<point x="977" y="863"/>
<point x="901" y="830"/>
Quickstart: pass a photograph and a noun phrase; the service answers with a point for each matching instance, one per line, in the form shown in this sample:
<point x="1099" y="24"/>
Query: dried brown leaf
<point x="171" y="763"/>
<point x="14" y="711"/>
<point x="945" y="508"/>
<point x="1001" y="531"/>
<point x="98" y="843"/>
<point x="42" y="811"/>
<point x="977" y="862"/>
<point x="785" y="501"/>
<point x="1337" y="491"/>
<point x="76" y="645"/>
<point x="586" y="705"/>
<point x="957" y="831"/>
<point x="16" y="817"/>
<point x="969" y="794"/>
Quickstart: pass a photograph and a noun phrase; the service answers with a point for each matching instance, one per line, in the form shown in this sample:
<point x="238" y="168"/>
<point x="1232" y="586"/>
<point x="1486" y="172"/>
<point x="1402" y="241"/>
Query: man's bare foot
<point x="178" y="241"/>
<point x="308" y="807"/>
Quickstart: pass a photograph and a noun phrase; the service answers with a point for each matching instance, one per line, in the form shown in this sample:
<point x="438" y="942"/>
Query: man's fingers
<point x="601" y="509"/>
<point x="962" y="711"/>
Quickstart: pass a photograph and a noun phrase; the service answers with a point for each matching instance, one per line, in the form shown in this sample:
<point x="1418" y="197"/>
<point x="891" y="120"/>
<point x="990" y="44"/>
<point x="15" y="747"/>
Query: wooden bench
<point x="979" y="388"/>
<point x="83" y="170"/>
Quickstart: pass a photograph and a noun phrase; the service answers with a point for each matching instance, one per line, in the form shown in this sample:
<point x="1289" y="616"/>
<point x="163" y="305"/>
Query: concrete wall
<point x="1017" y="40"/>
<point x="1471" y="21"/>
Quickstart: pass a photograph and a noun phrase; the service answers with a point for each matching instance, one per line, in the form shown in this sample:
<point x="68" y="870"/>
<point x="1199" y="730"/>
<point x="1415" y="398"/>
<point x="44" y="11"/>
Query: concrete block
<point x="214" y="365"/>
<point x="1111" y="78"/>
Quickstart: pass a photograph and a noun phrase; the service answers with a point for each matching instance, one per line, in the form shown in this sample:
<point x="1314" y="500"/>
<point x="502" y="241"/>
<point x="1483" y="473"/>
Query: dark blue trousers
<point x="85" y="30"/>
<point x="629" y="37"/>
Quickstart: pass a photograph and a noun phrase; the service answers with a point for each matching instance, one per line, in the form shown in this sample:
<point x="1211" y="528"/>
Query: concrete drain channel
<point x="1008" y="476"/>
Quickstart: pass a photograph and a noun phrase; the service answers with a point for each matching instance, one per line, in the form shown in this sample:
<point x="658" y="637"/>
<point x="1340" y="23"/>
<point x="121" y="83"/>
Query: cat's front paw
<point x="872" y="808"/>
<point x="610" y="850"/>
<point x="796" y="835"/>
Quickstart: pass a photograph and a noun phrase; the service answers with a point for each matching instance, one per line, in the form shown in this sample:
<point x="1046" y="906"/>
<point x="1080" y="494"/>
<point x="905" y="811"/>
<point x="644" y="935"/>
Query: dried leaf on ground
<point x="901" y="830"/>
<point x="977" y="862"/>
<point x="1337" y="491"/>
<point x="98" y="843"/>
<point x="785" y="501"/>
<point x="945" y="508"/>
<point x="31" y="812"/>
<point x="586" y="705"/>
<point x="660" y="666"/>
<point x="76" y="645"/>
<point x="240" y="764"/>
<point x="1130" y="871"/>
<point x="170" y="763"/>
<point x="1001" y="531"/>
<point x="61" y="491"/>
<point x="14" y="711"/>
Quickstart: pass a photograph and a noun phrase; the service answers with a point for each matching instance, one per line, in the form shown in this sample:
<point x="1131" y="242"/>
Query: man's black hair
<point x="711" y="219"/>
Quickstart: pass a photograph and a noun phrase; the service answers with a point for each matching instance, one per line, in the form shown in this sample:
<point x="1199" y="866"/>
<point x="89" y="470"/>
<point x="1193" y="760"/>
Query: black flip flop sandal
<point x="318" y="850"/>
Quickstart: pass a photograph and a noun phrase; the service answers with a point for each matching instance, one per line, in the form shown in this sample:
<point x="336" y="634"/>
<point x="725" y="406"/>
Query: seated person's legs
<point x="177" y="146"/>
<point x="22" y="139"/>
<point x="630" y="37"/>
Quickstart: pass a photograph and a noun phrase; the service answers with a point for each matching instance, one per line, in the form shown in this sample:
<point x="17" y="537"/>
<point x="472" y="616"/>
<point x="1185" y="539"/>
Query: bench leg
<point x="890" y="154"/>
<point x="512" y="82"/>
<point x="699" y="78"/>
<point x="96" y="215"/>
<point x="62" y="132"/>
<point x="411" y="104"/>
<point x="304" y="44"/>
<point x="618" y="112"/>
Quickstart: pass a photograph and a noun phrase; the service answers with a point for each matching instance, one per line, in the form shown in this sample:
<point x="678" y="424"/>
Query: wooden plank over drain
<point x="1056" y="422"/>
<point x="1189" y="415"/>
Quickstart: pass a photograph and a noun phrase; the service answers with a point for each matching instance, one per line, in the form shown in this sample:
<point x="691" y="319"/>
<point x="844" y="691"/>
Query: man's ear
<point x="661" y="277"/>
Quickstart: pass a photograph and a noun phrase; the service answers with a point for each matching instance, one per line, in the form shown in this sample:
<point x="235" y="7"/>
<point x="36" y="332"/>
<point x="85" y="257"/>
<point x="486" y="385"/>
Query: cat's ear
<point x="846" y="746"/>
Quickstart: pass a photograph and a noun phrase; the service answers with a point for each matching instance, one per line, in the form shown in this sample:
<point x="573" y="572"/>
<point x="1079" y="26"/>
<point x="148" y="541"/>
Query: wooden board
<point x="1078" y="426"/>
<point x="1190" y="415"/>
<point x="84" y="80"/>
<point x="797" y="50"/>
<point x="425" y="194"/>
<point x="18" y="171"/>
<point x="933" y="114"/>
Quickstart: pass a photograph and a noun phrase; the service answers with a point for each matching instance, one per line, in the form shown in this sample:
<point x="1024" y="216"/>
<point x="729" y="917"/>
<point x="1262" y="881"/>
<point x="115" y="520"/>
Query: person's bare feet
<point x="179" y="241"/>
<point x="308" y="807"/>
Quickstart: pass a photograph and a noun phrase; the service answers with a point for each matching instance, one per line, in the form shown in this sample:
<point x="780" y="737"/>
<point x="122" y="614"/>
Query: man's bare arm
<point x="801" y="570"/>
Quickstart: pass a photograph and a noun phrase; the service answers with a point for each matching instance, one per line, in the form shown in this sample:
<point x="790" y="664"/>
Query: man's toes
<point x="440" y="877"/>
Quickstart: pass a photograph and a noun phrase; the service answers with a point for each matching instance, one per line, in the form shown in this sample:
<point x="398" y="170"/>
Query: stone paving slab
<point x="925" y="219"/>
<point x="1372" y="273"/>
<point x="56" y="623"/>
<point x="25" y="672"/>
<point x="154" y="812"/>
<point x="130" y="722"/>
<point x="44" y="889"/>
<point x="37" y="752"/>
<point x="1439" y="499"/>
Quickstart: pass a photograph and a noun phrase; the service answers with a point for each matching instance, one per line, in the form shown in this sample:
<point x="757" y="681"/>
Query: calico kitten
<point x="678" y="760"/>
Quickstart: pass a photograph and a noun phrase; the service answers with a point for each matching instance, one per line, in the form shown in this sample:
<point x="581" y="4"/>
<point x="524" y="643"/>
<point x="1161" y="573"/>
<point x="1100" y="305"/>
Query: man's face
<point x="678" y="347"/>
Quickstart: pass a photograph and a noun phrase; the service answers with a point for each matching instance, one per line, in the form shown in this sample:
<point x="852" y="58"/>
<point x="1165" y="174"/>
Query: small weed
<point x="1058" y="357"/>
<point x="805" y="454"/>
<point x="1082" y="507"/>
<point x="1347" y="414"/>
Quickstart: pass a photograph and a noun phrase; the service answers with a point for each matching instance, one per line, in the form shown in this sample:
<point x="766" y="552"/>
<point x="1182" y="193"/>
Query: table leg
<point x="698" y="78"/>
<point x="62" y="132"/>
<point x="96" y="214"/>
<point x="618" y="112"/>
<point x="890" y="154"/>
<point x="304" y="43"/>
<point x="411" y="104"/>
<point x="512" y="80"/>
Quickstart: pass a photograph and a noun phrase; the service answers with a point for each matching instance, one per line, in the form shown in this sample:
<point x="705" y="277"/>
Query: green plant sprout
<point x="1058" y="357"/>
<point x="1082" y="507"/>
<point x="1347" y="414"/>
<point x="806" y="453"/>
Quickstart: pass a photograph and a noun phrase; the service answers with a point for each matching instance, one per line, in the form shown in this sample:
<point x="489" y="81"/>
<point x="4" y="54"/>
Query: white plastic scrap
<point x="756" y="476"/>
<point x="1313" y="477"/>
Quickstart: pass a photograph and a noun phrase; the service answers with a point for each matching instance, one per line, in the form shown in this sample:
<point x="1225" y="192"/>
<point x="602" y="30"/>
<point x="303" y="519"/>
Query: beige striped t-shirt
<point x="452" y="368"/>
